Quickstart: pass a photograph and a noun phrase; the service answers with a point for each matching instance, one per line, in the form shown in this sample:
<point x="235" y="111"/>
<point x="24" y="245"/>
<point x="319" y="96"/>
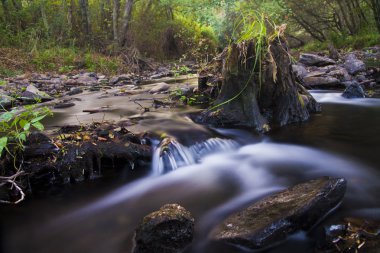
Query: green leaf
<point x="27" y="126"/>
<point x="38" y="119"/>
<point x="7" y="116"/>
<point x="38" y="125"/>
<point x="22" y="123"/>
<point x="3" y="144"/>
<point x="22" y="136"/>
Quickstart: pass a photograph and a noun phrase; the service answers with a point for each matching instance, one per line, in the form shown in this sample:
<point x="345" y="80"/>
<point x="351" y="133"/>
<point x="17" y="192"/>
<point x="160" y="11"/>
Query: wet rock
<point x="6" y="101"/>
<point x="353" y="64"/>
<point x="33" y="94"/>
<point x="299" y="70"/>
<point x="63" y="105"/>
<point x="315" y="60"/>
<point x="38" y="144"/>
<point x="272" y="219"/>
<point x="168" y="230"/>
<point x="351" y="235"/>
<point x="160" y="87"/>
<point x="74" y="91"/>
<point x="355" y="90"/>
<point x="120" y="78"/>
<point x="160" y="73"/>
<point x="322" y="82"/>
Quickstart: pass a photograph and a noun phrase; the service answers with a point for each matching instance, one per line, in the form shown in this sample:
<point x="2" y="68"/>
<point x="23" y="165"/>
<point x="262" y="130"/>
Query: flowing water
<point x="212" y="177"/>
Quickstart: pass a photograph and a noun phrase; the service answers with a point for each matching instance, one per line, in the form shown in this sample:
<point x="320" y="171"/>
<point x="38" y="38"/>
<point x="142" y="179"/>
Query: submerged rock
<point x="353" y="64"/>
<point x="168" y="230"/>
<point x="354" y="91"/>
<point x="351" y="235"/>
<point x="272" y="219"/>
<point x="315" y="60"/>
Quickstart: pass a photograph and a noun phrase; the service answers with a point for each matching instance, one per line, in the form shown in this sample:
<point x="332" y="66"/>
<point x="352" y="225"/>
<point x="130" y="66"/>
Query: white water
<point x="336" y="98"/>
<point x="212" y="186"/>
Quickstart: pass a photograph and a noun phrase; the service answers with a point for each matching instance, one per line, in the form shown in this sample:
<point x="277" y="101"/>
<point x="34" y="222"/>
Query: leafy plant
<point x="15" y="127"/>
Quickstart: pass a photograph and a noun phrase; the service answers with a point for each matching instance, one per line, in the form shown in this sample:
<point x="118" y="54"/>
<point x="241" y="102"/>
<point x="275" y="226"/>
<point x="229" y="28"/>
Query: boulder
<point x="299" y="70"/>
<point x="168" y="230"/>
<point x="322" y="82"/>
<point x="160" y="87"/>
<point x="32" y="94"/>
<point x="351" y="235"/>
<point x="315" y="60"/>
<point x="6" y="101"/>
<point x="120" y="78"/>
<point x="353" y="64"/>
<point x="272" y="219"/>
<point x="74" y="91"/>
<point x="354" y="90"/>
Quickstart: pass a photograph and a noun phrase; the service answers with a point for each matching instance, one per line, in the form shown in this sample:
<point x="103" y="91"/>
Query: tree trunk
<point x="44" y="17"/>
<point x="115" y="19"/>
<point x="259" y="98"/>
<point x="376" y="12"/>
<point x="126" y="21"/>
<point x="85" y="19"/>
<point x="5" y="5"/>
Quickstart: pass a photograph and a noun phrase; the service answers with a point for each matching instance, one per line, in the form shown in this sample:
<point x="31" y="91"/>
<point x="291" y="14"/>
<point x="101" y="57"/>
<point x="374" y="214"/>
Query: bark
<point x="376" y="12"/>
<point x="5" y="5"/>
<point x="85" y="19"/>
<point x="115" y="19"/>
<point x="267" y="97"/>
<point x="126" y="22"/>
<point x="44" y="17"/>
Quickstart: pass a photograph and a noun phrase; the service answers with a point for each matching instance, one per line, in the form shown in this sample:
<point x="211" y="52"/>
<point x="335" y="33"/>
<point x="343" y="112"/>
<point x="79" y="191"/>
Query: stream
<point x="211" y="176"/>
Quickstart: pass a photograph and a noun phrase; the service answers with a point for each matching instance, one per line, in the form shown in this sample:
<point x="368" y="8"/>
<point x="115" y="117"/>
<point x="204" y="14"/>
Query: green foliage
<point x="16" y="126"/>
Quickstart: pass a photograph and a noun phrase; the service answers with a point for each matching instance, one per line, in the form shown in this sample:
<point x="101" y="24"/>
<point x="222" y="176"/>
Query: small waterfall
<point x="170" y="155"/>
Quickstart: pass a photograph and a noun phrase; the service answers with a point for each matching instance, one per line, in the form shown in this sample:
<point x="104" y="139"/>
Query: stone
<point x="6" y="101"/>
<point x="315" y="60"/>
<point x="351" y="235"/>
<point x="354" y="90"/>
<point x="64" y="105"/>
<point x="117" y="79"/>
<point x="353" y="64"/>
<point x="38" y="144"/>
<point x="159" y="87"/>
<point x="299" y="70"/>
<point x="74" y="91"/>
<point x="322" y="82"/>
<point x="32" y="94"/>
<point x="168" y="230"/>
<point x="271" y="220"/>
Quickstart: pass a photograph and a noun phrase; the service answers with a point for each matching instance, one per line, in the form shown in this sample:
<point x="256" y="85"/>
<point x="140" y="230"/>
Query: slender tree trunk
<point x="85" y="19"/>
<point x="376" y="12"/>
<point x="44" y="17"/>
<point x="4" y="3"/>
<point x="126" y="22"/>
<point x="115" y="19"/>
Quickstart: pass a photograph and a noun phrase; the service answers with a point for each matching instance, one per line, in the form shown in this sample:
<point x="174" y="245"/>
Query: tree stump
<point x="259" y="96"/>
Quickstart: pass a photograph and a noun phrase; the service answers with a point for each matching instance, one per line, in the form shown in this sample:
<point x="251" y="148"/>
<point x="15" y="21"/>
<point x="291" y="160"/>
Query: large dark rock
<point x="353" y="64"/>
<point x="354" y="91"/>
<point x="322" y="82"/>
<point x="32" y="94"/>
<point x="351" y="235"/>
<point x="315" y="60"/>
<point x="168" y="230"/>
<point x="272" y="219"/>
<point x="6" y="101"/>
